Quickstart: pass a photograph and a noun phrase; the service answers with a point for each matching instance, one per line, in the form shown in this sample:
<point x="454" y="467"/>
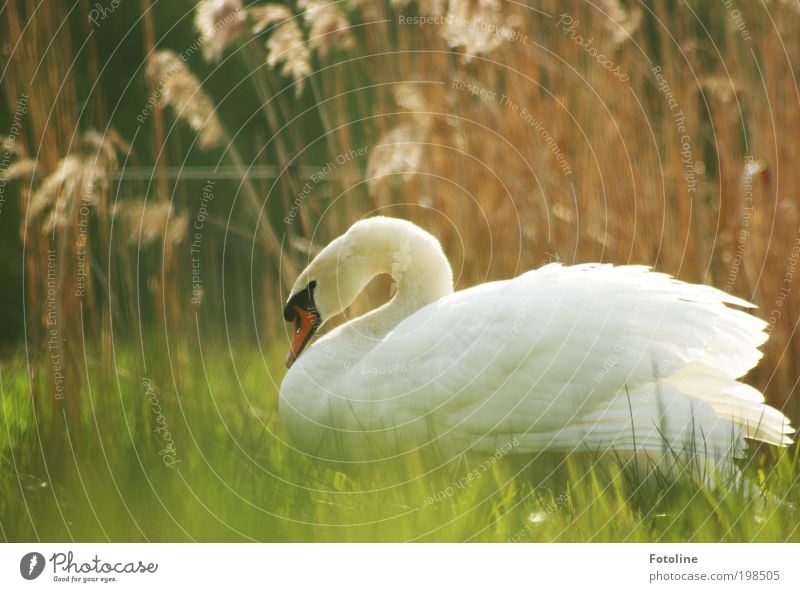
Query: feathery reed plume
<point x="755" y="168"/>
<point x="100" y="154"/>
<point x="146" y="223"/>
<point x="723" y="88"/>
<point x="9" y="144"/>
<point x="267" y="14"/>
<point x="80" y="179"/>
<point x="19" y="169"/>
<point x="181" y="90"/>
<point x="57" y="191"/>
<point x="399" y="151"/>
<point x="220" y="23"/>
<point x="409" y="96"/>
<point x="477" y="27"/>
<point x="624" y="21"/>
<point x="328" y="26"/>
<point x="285" y="44"/>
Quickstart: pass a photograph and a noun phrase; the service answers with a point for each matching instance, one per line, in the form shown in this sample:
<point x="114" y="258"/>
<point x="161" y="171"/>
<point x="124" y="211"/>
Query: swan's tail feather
<point x="735" y="401"/>
<point x="661" y="418"/>
<point x="655" y="418"/>
<point x="668" y="433"/>
<point x="729" y="340"/>
<point x="697" y="419"/>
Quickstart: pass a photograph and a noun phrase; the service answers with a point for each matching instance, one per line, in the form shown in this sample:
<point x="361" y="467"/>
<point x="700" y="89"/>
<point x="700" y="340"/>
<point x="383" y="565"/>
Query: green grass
<point x="238" y="480"/>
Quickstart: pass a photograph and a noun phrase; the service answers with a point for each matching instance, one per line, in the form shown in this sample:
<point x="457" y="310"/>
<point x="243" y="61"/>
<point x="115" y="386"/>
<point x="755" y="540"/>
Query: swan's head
<point x="330" y="283"/>
<point x="339" y="273"/>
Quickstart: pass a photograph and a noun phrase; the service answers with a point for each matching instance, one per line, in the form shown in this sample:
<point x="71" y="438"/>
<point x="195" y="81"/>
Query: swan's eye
<point x="303" y="299"/>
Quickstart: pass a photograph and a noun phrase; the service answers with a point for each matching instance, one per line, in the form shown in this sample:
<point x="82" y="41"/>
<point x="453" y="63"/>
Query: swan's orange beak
<point x="305" y="325"/>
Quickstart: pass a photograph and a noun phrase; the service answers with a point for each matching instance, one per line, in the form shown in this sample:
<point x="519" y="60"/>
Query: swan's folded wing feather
<point x="543" y="351"/>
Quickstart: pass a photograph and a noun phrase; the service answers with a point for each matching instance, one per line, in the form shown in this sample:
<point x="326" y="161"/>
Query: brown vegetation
<point x="518" y="135"/>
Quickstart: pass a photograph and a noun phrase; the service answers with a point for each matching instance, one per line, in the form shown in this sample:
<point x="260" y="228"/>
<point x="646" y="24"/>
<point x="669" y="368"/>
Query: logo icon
<point x="31" y="565"/>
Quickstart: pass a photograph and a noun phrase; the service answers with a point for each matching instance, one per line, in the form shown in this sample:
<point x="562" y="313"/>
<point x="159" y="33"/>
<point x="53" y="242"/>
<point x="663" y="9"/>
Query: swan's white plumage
<point x="589" y="357"/>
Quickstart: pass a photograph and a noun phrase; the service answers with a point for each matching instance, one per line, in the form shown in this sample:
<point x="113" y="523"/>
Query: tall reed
<point x="519" y="134"/>
<point x="607" y="132"/>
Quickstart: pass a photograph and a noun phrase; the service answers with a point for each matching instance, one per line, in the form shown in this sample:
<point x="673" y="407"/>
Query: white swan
<point x="591" y="357"/>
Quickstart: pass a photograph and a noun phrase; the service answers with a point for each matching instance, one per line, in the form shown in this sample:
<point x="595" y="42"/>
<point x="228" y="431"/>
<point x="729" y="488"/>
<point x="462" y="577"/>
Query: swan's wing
<point x="546" y="352"/>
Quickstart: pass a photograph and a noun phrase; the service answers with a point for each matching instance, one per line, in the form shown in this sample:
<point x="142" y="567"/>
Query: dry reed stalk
<point x="39" y="67"/>
<point x="165" y="300"/>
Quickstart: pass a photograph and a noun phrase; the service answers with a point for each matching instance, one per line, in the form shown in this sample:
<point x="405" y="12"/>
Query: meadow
<point x="171" y="166"/>
<point x="213" y="464"/>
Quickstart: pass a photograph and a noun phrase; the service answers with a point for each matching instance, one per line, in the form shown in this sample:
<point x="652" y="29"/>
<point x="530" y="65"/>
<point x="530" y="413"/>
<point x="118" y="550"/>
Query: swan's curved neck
<point x="420" y="271"/>
<point x="342" y="270"/>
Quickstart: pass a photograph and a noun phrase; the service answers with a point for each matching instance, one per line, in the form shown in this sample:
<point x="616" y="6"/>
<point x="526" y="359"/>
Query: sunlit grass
<point x="237" y="479"/>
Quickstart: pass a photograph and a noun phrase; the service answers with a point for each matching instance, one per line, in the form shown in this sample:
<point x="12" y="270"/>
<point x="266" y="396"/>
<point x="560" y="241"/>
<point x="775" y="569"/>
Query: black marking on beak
<point x="304" y="299"/>
<point x="301" y="310"/>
